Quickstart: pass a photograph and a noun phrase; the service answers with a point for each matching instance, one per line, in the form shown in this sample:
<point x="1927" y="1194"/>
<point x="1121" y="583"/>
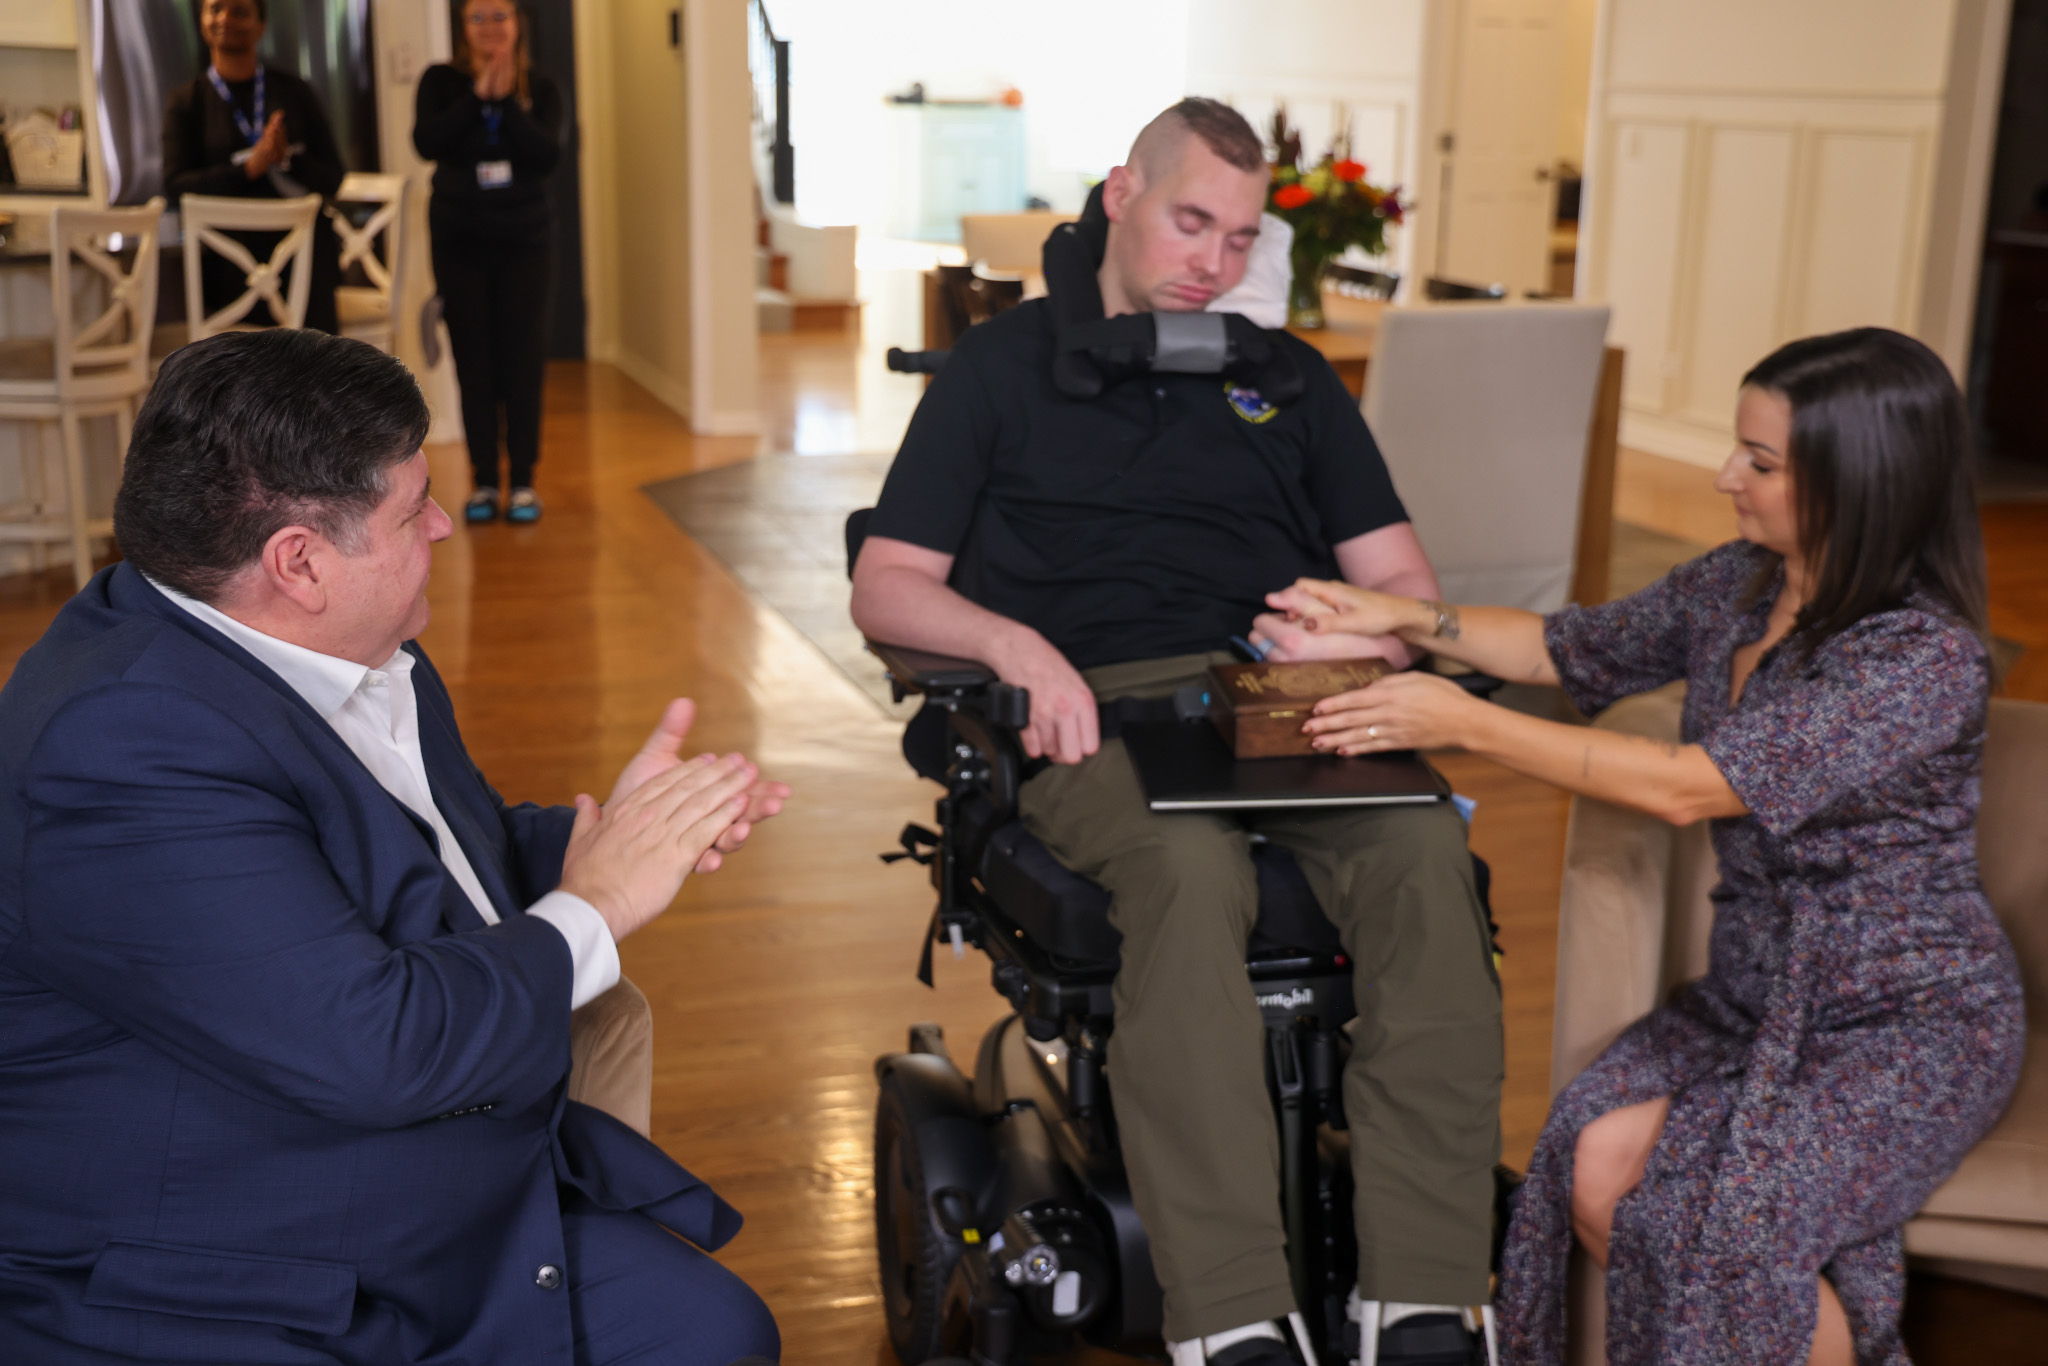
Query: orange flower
<point x="1348" y="170"/>
<point x="1291" y="196"/>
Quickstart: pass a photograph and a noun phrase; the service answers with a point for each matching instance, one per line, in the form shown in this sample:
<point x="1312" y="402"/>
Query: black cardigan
<point x="449" y="130"/>
<point x="200" y="137"/>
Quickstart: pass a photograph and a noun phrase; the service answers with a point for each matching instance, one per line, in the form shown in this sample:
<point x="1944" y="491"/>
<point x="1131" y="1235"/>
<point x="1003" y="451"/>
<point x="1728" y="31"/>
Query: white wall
<point x="669" y="205"/>
<point x="1091" y="73"/>
<point x="410" y="38"/>
<point x="1743" y="190"/>
<point x="1334" y="63"/>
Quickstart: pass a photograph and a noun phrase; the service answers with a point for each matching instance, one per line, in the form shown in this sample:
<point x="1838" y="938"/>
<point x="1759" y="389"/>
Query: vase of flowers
<point x="1331" y="207"/>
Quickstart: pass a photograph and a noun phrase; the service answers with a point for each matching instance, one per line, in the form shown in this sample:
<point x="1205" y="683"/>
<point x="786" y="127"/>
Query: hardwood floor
<point x="778" y="980"/>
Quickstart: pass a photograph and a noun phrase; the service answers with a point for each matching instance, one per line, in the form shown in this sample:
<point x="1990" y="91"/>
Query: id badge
<point x="493" y="175"/>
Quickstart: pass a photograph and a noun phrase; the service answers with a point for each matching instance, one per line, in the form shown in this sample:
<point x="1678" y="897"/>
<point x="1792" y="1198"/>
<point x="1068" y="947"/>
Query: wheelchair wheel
<point x="916" y="1256"/>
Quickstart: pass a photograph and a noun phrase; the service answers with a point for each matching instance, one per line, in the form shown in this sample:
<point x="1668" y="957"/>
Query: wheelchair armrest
<point x="923" y="671"/>
<point x="965" y="686"/>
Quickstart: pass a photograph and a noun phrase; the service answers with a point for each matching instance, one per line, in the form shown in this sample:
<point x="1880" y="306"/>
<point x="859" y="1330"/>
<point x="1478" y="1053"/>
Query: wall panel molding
<point x="1796" y="211"/>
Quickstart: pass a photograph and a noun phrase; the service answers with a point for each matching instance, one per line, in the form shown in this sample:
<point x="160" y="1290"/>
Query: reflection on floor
<point x="779" y="524"/>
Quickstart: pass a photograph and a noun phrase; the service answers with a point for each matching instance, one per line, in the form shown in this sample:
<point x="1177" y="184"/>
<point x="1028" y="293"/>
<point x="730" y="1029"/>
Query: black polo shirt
<point x="1151" y="521"/>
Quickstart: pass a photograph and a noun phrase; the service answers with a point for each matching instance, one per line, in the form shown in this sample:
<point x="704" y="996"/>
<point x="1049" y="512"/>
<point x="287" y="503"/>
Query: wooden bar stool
<point x="283" y="280"/>
<point x="370" y="312"/>
<point x="96" y="364"/>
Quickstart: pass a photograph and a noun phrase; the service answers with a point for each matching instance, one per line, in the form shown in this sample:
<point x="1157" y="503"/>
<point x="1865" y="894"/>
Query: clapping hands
<point x="663" y="751"/>
<point x="668" y="817"/>
<point x="271" y="150"/>
<point x="497" y="77"/>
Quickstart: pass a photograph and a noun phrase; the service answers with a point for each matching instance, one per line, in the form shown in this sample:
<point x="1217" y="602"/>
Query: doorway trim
<point x="1963" y="163"/>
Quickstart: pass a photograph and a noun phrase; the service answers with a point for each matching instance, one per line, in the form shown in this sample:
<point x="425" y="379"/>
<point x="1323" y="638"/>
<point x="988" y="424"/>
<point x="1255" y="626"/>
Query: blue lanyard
<point x="494" y="118"/>
<point x="252" y="131"/>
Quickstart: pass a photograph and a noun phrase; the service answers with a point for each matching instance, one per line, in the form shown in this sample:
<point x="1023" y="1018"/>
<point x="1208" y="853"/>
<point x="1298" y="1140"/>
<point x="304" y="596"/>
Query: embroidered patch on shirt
<point x="1248" y="403"/>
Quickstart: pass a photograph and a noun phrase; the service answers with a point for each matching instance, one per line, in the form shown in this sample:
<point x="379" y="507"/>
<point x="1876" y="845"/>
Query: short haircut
<point x="1222" y="130"/>
<point x="246" y="433"/>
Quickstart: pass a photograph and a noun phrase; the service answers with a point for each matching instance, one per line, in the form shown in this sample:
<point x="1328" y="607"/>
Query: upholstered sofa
<point x="1633" y="923"/>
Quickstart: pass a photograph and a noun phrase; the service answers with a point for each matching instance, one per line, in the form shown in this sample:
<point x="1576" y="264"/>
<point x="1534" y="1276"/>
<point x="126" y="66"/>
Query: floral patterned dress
<point x="1859" y="1026"/>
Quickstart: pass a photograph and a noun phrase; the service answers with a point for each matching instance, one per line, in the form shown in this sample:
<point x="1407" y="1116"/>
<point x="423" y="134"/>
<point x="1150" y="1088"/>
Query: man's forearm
<point x="903" y="607"/>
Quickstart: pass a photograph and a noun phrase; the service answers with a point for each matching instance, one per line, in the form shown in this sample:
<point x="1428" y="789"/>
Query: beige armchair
<point x="1499" y="397"/>
<point x="1633" y="923"/>
<point x="611" y="1055"/>
<point x="1009" y="241"/>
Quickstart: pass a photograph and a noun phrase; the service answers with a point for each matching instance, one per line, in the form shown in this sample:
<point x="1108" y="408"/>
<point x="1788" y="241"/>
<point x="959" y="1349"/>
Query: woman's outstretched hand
<point x="1401" y="711"/>
<point x="1331" y="605"/>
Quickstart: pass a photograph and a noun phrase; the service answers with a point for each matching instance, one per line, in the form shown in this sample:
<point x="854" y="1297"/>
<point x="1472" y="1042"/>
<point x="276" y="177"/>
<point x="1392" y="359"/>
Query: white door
<point x="1499" y="194"/>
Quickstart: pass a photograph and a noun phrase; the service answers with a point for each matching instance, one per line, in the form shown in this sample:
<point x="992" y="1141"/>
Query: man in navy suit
<point x="284" y="985"/>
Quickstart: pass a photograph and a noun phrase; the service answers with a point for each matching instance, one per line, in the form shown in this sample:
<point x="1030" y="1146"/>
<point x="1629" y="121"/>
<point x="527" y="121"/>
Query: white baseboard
<point x="672" y="393"/>
<point x="1676" y="438"/>
<point x="729" y="422"/>
<point x="675" y="395"/>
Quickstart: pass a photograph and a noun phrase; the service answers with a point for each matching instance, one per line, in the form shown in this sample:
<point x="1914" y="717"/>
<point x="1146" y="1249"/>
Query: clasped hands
<point x="497" y="77"/>
<point x="271" y="150"/>
<point x="667" y="817"/>
<point x="1404" y="710"/>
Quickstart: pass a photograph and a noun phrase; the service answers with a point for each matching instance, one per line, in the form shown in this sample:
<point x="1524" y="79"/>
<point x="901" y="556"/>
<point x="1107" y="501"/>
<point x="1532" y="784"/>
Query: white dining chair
<point x="94" y="364"/>
<point x="1482" y="411"/>
<point x="283" y="280"/>
<point x="379" y="248"/>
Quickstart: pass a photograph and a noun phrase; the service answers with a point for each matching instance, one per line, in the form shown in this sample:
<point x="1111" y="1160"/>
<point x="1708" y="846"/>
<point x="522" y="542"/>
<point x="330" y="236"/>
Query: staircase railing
<point x="768" y="57"/>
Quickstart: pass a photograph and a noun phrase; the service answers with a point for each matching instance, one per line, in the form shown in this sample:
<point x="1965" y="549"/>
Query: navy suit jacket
<point x="270" y="1089"/>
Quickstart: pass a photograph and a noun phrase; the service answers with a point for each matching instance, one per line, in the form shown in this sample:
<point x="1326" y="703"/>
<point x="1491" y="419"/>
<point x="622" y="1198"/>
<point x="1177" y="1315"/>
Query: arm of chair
<point x="1632" y="915"/>
<point x="959" y="685"/>
<point x="980" y="709"/>
<point x="921" y="671"/>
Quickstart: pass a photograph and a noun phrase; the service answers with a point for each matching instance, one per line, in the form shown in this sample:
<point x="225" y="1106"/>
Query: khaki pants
<point x="1187" y="1058"/>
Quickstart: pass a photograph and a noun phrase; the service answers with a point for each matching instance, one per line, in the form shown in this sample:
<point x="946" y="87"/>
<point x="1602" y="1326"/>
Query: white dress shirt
<point x="377" y="716"/>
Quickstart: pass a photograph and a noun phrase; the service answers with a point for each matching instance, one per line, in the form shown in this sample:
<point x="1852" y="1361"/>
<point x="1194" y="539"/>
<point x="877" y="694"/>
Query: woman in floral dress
<point x="1742" y="1159"/>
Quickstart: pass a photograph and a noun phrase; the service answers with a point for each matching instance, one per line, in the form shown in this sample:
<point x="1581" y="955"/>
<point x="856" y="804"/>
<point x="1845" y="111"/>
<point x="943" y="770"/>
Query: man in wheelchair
<point x="1098" y="552"/>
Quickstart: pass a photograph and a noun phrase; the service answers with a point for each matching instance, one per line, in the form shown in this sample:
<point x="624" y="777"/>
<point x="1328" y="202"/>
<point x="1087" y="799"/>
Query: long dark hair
<point x="1884" y="481"/>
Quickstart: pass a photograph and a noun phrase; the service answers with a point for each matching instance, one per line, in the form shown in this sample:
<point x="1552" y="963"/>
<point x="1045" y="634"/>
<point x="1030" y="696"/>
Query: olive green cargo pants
<point x="1187" y="1057"/>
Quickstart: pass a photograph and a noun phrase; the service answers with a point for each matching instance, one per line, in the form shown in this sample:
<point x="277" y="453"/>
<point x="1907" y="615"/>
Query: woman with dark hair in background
<point x="492" y="126"/>
<point x="247" y="129"/>
<point x="1741" y="1160"/>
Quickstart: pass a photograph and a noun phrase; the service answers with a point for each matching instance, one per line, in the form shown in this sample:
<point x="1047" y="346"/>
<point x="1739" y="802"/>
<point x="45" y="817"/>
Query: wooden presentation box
<point x="1259" y="708"/>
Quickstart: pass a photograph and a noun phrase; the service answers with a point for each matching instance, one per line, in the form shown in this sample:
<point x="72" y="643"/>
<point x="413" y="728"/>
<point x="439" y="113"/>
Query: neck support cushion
<point x="1092" y="352"/>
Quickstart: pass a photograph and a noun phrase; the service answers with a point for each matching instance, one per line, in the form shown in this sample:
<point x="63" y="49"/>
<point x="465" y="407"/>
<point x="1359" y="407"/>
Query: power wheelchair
<point x="1004" y="1227"/>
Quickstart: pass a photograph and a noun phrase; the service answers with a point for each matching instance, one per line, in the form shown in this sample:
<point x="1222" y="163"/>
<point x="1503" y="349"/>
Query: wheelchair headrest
<point x="1092" y="352"/>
